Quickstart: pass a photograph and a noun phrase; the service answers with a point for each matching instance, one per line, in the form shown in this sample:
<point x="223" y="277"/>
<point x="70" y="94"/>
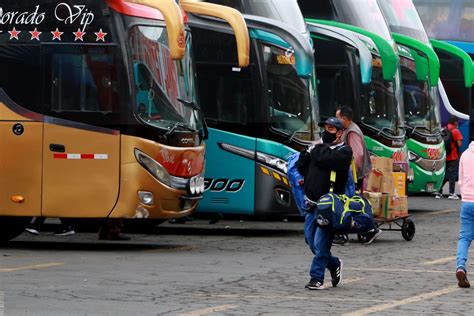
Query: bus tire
<point x="11" y="227"/>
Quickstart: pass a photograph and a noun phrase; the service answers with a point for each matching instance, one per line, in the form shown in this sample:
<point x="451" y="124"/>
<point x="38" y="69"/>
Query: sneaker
<point x="65" y="232"/>
<point x="438" y="196"/>
<point x="453" y="197"/>
<point x="340" y="240"/>
<point x="32" y="231"/>
<point x="376" y="233"/>
<point x="315" y="285"/>
<point x="336" y="275"/>
<point x="462" y="278"/>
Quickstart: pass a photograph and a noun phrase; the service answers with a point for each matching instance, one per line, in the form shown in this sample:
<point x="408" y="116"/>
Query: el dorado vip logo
<point x="60" y="19"/>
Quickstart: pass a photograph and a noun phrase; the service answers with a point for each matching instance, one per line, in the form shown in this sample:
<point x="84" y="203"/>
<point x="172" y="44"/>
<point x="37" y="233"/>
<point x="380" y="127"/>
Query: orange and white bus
<point x="99" y="114"/>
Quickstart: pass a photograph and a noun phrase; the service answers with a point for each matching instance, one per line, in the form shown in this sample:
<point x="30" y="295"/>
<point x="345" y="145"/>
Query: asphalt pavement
<point x="235" y="267"/>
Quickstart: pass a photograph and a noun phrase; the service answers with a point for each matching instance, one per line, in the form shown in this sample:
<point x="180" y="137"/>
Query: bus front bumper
<point x="166" y="202"/>
<point x="425" y="180"/>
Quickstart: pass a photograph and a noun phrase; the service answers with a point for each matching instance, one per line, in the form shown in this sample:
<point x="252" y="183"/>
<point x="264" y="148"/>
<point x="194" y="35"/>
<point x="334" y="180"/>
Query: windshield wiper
<point x="175" y="126"/>
<point x="198" y="109"/>
<point x="292" y="135"/>
<point x="383" y="129"/>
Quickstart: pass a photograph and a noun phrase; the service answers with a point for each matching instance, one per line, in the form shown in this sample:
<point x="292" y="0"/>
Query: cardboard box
<point x="374" y="181"/>
<point x="387" y="184"/>
<point x="385" y="165"/>
<point x="397" y="206"/>
<point x="399" y="183"/>
<point x="375" y="199"/>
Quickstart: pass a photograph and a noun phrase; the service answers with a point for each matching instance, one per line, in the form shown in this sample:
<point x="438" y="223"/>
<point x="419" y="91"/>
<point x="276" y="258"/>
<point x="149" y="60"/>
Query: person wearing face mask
<point x="354" y="138"/>
<point x="315" y="165"/>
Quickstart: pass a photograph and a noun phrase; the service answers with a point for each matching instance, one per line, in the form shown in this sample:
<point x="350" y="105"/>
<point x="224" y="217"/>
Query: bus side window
<point x="82" y="80"/>
<point x="20" y="75"/>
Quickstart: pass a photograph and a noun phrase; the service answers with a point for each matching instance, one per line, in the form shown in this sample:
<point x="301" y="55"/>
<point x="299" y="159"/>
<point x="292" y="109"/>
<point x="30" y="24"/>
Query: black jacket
<point x="316" y="167"/>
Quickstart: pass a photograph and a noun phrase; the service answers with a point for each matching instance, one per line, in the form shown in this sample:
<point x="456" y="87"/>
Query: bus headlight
<point x="153" y="167"/>
<point x="192" y="185"/>
<point x="273" y="162"/>
<point x="196" y="185"/>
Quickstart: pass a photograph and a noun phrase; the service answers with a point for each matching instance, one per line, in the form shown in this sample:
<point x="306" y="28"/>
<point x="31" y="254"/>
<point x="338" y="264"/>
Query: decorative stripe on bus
<point x="82" y="156"/>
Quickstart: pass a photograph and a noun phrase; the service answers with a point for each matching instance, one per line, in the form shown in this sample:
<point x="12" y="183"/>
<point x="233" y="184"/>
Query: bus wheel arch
<point x="11" y="227"/>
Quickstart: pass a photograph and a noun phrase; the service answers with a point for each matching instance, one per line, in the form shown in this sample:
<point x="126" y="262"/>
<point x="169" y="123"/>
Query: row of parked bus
<point x="157" y="109"/>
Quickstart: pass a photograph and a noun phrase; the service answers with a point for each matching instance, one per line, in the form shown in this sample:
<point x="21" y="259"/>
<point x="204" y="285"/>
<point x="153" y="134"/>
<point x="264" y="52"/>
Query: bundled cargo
<point x="386" y="191"/>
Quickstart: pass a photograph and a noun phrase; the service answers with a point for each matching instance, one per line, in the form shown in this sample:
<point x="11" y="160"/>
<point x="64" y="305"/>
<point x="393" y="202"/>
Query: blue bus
<point x="451" y="23"/>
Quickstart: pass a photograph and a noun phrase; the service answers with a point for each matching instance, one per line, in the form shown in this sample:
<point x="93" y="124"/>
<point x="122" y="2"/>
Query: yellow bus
<point x="99" y="114"/>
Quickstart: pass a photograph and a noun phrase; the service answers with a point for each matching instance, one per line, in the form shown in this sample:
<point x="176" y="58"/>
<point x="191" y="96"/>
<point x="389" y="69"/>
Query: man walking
<point x="466" y="231"/>
<point x="354" y="138"/>
<point x="452" y="158"/>
<point x="316" y="166"/>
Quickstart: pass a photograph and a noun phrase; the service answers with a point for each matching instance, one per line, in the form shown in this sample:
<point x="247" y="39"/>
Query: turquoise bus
<point x="257" y="116"/>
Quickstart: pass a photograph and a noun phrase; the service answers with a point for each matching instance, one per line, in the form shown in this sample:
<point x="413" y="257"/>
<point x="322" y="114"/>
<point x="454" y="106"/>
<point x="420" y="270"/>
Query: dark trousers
<point x="451" y="175"/>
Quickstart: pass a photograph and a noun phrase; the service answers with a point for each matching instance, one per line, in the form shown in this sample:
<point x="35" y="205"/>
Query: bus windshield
<point x="365" y="14"/>
<point x="286" y="11"/>
<point x="288" y="95"/>
<point x="165" y="89"/>
<point x="447" y="19"/>
<point x="421" y="111"/>
<point x="381" y="109"/>
<point x="403" y="18"/>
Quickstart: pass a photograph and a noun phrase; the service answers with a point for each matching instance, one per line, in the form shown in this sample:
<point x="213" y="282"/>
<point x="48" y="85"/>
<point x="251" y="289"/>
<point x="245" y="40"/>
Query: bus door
<point x="80" y="161"/>
<point x="21" y="156"/>
<point x="228" y="96"/>
<point x="343" y="63"/>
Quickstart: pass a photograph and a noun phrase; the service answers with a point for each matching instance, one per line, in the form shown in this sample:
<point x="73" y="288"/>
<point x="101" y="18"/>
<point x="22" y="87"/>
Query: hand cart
<point x="401" y="224"/>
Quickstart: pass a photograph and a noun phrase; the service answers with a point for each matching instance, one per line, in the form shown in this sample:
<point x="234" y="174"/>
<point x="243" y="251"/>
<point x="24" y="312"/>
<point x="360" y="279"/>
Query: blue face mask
<point x="328" y="137"/>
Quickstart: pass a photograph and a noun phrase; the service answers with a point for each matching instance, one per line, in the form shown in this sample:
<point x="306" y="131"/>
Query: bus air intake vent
<point x="219" y="201"/>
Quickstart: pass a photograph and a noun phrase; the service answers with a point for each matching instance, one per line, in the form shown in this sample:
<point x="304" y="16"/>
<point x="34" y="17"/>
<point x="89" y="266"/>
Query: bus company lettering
<point x="69" y="15"/>
<point x="223" y="185"/>
<point x="63" y="12"/>
<point x="31" y="18"/>
<point x="433" y="153"/>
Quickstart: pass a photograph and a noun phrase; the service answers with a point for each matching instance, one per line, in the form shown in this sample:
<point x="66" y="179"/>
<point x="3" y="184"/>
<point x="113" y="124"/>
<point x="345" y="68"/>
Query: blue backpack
<point x="343" y="215"/>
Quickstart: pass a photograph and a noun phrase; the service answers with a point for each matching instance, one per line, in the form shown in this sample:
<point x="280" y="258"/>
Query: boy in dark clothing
<point x="316" y="166"/>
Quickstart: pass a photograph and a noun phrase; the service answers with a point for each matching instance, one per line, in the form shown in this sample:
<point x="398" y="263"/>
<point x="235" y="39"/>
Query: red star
<point x="57" y="34"/>
<point x="100" y="36"/>
<point x="79" y="35"/>
<point x="35" y="34"/>
<point x="14" y="34"/>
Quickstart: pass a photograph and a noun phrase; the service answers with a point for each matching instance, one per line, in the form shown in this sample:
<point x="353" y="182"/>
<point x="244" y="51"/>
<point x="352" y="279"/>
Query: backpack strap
<point x="332" y="181"/>
<point x="347" y="208"/>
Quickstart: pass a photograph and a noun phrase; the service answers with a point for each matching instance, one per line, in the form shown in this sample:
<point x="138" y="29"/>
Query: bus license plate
<point x="430" y="187"/>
